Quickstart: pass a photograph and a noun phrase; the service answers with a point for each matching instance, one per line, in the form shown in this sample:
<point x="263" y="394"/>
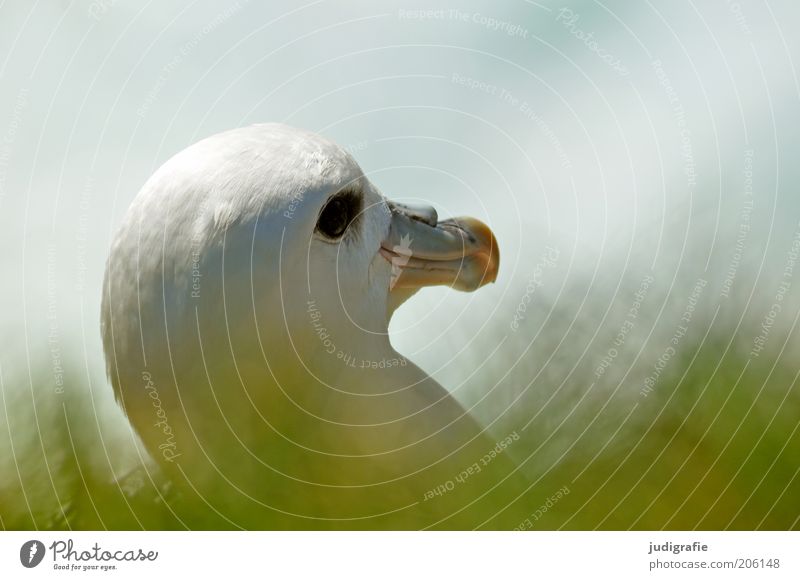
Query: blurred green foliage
<point x="714" y="446"/>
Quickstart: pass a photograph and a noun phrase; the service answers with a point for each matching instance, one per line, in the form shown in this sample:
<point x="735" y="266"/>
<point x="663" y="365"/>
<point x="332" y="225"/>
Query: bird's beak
<point x="461" y="252"/>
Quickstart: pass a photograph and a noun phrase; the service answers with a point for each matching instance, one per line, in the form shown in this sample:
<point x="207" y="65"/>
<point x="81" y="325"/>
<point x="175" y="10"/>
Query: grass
<point x="715" y="445"/>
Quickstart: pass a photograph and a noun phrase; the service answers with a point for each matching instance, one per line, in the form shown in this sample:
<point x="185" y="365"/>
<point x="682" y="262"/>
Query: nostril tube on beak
<point x="422" y="213"/>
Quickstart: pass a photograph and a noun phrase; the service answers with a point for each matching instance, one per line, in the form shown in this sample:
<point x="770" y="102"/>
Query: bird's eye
<point x="337" y="215"/>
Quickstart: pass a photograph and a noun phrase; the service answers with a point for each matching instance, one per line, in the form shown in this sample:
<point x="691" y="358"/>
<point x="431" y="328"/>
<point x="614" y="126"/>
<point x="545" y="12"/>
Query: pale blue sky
<point x="500" y="110"/>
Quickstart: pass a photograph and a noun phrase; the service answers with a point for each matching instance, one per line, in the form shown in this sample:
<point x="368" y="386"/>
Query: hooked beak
<point x="461" y="252"/>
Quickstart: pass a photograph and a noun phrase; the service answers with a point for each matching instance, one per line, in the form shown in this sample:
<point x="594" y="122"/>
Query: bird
<point x="246" y="302"/>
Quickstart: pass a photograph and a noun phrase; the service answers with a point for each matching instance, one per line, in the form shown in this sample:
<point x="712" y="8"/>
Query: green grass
<point x="714" y="446"/>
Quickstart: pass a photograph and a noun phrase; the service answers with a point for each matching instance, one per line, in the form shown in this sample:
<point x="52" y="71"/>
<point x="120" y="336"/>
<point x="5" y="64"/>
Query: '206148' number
<point x="758" y="563"/>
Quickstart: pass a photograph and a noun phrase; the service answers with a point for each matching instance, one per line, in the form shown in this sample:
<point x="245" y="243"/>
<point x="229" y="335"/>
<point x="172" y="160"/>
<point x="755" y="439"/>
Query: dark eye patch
<point x="338" y="214"/>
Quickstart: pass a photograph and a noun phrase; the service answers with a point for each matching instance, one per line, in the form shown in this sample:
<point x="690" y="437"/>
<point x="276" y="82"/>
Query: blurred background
<point x="637" y="161"/>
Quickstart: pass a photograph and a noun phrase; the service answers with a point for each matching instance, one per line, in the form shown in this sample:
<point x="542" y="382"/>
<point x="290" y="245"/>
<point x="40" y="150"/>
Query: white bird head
<point x="247" y="298"/>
